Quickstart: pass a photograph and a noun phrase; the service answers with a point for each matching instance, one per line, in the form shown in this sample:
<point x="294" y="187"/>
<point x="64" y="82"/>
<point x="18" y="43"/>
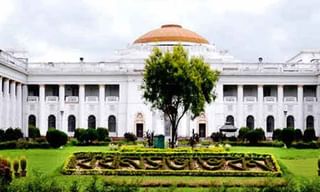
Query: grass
<point x="296" y="162"/>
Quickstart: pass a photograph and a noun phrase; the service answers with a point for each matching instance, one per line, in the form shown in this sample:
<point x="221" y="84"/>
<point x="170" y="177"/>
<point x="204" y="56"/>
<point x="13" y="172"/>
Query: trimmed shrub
<point x="2" y="135"/>
<point x="243" y="131"/>
<point x="287" y="136"/>
<point x="276" y="135"/>
<point x="56" y="138"/>
<point x="217" y="136"/>
<point x="130" y="137"/>
<point x="78" y="134"/>
<point x="103" y="134"/>
<point x="298" y="135"/>
<point x="33" y="132"/>
<point x="90" y="135"/>
<point x="309" y="135"/>
<point x="13" y="134"/>
<point x="256" y="135"/>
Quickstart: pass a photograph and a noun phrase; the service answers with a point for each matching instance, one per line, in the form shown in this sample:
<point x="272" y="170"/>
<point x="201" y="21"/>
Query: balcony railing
<point x="112" y="99"/>
<point x="52" y="99"/>
<point x="92" y="99"/>
<point x="230" y="99"/>
<point x="32" y="98"/>
<point x="310" y="99"/>
<point x="250" y="99"/>
<point x="290" y="99"/>
<point x="72" y="99"/>
<point x="270" y="99"/>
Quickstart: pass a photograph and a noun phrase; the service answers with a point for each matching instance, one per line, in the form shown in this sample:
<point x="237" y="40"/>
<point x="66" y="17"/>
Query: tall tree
<point x="175" y="83"/>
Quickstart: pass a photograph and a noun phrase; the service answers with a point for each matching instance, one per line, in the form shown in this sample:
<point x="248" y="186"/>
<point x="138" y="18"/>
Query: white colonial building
<point x="108" y="94"/>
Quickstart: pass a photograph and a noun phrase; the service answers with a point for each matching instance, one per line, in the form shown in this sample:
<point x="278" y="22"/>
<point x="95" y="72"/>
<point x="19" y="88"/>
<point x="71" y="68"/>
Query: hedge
<point x="171" y="163"/>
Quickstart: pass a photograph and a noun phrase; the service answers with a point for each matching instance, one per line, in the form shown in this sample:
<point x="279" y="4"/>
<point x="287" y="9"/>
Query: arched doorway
<point x="71" y="123"/>
<point x="139" y="125"/>
<point x="92" y="122"/>
<point x="51" y="121"/>
<point x="290" y="121"/>
<point x="230" y="120"/>
<point x="250" y="122"/>
<point x="202" y="123"/>
<point x="310" y="122"/>
<point x="32" y="121"/>
<point x="112" y="123"/>
<point x="270" y="123"/>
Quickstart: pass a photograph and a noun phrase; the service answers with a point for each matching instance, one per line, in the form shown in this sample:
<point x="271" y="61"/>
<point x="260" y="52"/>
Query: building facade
<point x="107" y="94"/>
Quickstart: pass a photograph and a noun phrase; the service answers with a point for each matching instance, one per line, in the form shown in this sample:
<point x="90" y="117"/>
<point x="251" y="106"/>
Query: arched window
<point x="230" y="120"/>
<point x="92" y="121"/>
<point x="250" y="122"/>
<point x="51" y="121"/>
<point x="290" y="121"/>
<point x="112" y="124"/>
<point x="71" y="123"/>
<point x="310" y="122"/>
<point x="32" y="121"/>
<point x="270" y="124"/>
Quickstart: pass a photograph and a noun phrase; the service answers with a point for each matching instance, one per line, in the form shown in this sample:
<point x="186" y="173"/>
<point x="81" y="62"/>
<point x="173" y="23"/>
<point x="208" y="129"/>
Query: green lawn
<point x="299" y="163"/>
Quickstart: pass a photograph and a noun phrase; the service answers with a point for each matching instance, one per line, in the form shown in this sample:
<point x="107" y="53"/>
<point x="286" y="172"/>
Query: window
<point x="270" y="124"/>
<point x="230" y="120"/>
<point x="310" y="122"/>
<point x="32" y="121"/>
<point x="92" y="121"/>
<point x="250" y="122"/>
<point x="51" y="121"/>
<point x="71" y="123"/>
<point x="290" y="121"/>
<point x="112" y="123"/>
<point x="139" y="130"/>
<point x="112" y="90"/>
<point x="202" y="130"/>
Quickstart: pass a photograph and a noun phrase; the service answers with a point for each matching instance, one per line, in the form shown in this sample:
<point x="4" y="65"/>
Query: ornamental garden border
<point x="171" y="163"/>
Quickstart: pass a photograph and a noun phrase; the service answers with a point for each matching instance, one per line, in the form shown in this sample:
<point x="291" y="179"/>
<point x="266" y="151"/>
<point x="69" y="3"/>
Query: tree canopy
<point x="175" y="83"/>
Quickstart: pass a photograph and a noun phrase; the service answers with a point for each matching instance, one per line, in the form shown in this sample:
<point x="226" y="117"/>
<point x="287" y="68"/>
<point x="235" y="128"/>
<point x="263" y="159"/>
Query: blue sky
<point x="59" y="30"/>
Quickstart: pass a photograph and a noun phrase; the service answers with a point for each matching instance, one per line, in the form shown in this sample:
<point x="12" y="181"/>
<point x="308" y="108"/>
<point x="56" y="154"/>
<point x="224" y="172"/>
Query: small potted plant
<point x="23" y="165"/>
<point x="16" y="168"/>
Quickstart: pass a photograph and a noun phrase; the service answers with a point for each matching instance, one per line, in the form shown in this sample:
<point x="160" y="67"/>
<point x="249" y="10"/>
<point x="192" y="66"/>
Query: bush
<point x="256" y="135"/>
<point x="90" y="135"/>
<point x="13" y="134"/>
<point x="130" y="137"/>
<point x="2" y="135"/>
<point x="287" y="136"/>
<point x="103" y="134"/>
<point x="217" y="136"/>
<point x="276" y="135"/>
<point x="309" y="135"/>
<point x="56" y="138"/>
<point x="297" y="135"/>
<point x="33" y="132"/>
<point x="78" y="134"/>
<point x="243" y="131"/>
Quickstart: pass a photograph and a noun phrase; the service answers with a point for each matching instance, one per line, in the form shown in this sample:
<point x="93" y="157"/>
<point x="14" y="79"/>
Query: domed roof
<point x="171" y="32"/>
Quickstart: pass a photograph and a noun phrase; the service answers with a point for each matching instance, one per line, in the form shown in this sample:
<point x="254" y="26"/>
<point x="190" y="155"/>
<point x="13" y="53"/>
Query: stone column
<point x="6" y="104"/>
<point x="24" y="111"/>
<point x="61" y="108"/>
<point x="281" y="117"/>
<point x="101" y="105"/>
<point x="1" y="105"/>
<point x="19" y="107"/>
<point x="12" y="107"/>
<point x="260" y="108"/>
<point x="43" y="119"/>
<point x="300" y="120"/>
<point x="240" y="118"/>
<point x="81" y="106"/>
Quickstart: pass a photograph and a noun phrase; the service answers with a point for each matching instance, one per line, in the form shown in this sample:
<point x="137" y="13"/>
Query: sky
<point x="64" y="30"/>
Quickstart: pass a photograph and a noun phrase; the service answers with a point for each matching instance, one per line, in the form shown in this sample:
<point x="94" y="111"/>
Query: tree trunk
<point x="173" y="134"/>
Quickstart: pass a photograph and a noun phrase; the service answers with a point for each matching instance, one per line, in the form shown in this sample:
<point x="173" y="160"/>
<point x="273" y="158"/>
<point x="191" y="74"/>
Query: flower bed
<point x="171" y="163"/>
